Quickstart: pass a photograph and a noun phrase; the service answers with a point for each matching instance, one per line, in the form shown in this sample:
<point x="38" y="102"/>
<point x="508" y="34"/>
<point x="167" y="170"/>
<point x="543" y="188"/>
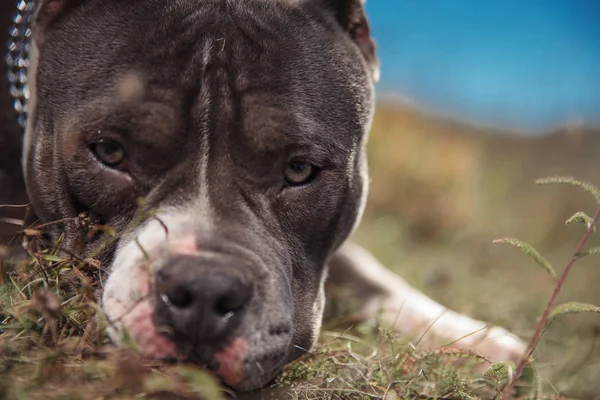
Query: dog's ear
<point x="352" y="17"/>
<point x="47" y="12"/>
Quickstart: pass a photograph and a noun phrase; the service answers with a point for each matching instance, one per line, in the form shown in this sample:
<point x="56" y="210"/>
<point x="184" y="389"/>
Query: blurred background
<point x="477" y="100"/>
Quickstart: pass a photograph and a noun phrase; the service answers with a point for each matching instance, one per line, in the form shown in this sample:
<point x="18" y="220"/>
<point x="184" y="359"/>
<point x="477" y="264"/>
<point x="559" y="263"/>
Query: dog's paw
<point x="497" y="344"/>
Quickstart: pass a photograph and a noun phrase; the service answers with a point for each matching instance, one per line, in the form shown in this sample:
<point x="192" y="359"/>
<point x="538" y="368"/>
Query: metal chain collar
<point x="17" y="58"/>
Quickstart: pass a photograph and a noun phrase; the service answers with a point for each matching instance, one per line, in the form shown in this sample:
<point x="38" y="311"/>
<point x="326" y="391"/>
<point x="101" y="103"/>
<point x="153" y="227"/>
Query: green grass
<point x="51" y="346"/>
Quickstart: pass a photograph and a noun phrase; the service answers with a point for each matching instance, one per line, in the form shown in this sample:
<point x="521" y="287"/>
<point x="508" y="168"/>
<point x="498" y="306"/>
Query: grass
<point x="51" y="346"/>
<point x="441" y="193"/>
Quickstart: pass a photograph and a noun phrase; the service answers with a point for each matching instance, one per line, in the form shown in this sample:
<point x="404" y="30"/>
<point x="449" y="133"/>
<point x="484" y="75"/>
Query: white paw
<point x="498" y="344"/>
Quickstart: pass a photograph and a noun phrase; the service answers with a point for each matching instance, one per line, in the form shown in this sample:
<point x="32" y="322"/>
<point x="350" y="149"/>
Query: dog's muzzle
<point x="187" y="302"/>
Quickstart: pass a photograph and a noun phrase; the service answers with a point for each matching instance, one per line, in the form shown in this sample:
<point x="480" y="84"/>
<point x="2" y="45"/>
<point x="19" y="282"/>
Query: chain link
<point x="17" y="58"/>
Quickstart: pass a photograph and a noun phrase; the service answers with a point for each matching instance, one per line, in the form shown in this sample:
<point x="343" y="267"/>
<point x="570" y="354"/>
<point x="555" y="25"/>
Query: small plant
<point x="550" y="311"/>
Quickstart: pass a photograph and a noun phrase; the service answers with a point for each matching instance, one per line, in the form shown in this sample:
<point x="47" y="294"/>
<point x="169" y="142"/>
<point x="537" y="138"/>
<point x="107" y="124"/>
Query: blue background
<point x="527" y="64"/>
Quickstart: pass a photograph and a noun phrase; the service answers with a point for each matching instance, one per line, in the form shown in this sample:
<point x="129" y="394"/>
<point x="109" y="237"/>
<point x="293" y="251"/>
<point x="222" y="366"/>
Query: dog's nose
<point x="201" y="302"/>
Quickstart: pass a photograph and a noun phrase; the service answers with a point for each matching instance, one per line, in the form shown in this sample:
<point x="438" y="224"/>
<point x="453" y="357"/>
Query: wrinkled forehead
<point x="270" y="55"/>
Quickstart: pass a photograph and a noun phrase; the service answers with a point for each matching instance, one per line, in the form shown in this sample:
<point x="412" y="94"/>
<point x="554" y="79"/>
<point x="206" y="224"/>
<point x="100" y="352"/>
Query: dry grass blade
<point x="580" y="218"/>
<point x="588" y="187"/>
<point x="573" y="307"/>
<point x="530" y="251"/>
<point x="589" y="252"/>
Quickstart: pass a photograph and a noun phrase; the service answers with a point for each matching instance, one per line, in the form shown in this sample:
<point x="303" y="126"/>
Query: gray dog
<point x="244" y="123"/>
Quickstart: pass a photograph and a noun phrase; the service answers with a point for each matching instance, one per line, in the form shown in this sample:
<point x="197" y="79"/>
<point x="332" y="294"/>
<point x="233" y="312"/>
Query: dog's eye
<point x="299" y="173"/>
<point x="109" y="152"/>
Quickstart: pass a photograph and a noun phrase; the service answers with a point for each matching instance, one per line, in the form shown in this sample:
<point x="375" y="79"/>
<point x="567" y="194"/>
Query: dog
<point x="243" y="124"/>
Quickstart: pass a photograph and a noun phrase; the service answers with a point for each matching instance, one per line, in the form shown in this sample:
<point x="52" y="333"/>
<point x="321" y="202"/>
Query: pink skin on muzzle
<point x="231" y="361"/>
<point x="139" y="322"/>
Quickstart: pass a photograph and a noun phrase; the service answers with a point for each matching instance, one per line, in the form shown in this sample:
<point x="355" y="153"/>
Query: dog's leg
<point x="385" y="295"/>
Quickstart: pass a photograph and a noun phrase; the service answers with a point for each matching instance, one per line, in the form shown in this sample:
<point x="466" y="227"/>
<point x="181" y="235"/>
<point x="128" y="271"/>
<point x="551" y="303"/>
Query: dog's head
<point x="243" y="124"/>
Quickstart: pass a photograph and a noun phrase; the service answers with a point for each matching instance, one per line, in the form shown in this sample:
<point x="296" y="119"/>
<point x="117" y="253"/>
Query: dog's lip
<point x="231" y="359"/>
<point x="226" y="359"/>
<point x="229" y="363"/>
<point x="232" y="364"/>
<point x="237" y="363"/>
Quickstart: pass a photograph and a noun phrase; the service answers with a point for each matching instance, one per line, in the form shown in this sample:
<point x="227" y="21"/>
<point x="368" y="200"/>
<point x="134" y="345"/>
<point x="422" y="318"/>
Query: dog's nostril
<point x="180" y="298"/>
<point x="230" y="303"/>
